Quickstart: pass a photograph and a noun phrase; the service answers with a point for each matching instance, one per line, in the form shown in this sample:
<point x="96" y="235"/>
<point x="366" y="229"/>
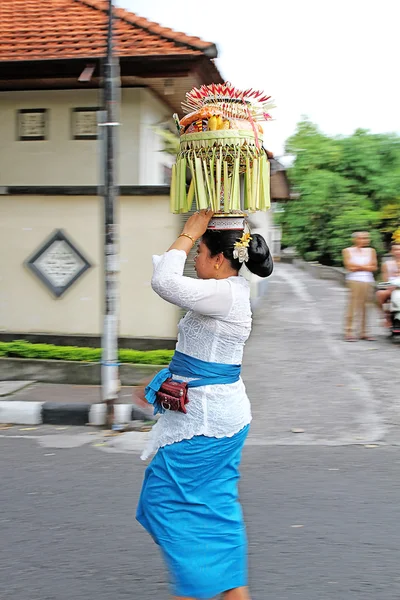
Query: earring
<point x="216" y="266"/>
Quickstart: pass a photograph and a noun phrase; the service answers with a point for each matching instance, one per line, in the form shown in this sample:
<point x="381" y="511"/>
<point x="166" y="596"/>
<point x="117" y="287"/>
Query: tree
<point x="344" y="184"/>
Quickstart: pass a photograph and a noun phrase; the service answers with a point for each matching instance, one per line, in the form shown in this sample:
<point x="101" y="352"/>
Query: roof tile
<point x="47" y="29"/>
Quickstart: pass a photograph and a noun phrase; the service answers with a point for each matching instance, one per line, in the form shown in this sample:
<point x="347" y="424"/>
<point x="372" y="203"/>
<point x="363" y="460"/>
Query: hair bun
<point x="258" y="249"/>
<point x="260" y="261"/>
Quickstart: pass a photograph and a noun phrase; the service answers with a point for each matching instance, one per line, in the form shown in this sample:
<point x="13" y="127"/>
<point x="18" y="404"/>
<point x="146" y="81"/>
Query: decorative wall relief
<point x="58" y="263"/>
<point x="84" y="123"/>
<point x="32" y="124"/>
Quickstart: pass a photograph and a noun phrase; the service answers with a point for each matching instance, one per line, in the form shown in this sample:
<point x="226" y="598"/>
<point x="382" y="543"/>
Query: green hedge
<point x="22" y="349"/>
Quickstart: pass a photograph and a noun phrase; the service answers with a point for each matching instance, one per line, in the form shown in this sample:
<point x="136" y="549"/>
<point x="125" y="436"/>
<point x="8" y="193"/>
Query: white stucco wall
<point x="27" y="306"/>
<point x="151" y="159"/>
<point x="60" y="160"/>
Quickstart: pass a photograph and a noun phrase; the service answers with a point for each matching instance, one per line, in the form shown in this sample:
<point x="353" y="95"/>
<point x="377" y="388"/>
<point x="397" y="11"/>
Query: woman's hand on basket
<point x="197" y="224"/>
<point x="194" y="228"/>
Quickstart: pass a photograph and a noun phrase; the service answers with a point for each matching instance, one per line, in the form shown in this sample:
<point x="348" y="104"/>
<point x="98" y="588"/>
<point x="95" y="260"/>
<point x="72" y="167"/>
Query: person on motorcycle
<point x="390" y="272"/>
<point x="361" y="262"/>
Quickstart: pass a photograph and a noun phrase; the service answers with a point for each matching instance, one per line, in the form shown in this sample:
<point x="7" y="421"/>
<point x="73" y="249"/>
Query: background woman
<point x="361" y="262"/>
<point x="390" y="271"/>
<point x="189" y="501"/>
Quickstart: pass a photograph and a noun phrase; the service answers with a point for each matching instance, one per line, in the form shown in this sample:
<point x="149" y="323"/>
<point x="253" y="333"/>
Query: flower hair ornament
<point x="241" y="248"/>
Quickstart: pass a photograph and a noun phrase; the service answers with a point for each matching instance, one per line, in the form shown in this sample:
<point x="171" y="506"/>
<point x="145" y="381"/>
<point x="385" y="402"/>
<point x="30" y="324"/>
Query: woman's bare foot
<point x="387" y="322"/>
<point x="350" y="338"/>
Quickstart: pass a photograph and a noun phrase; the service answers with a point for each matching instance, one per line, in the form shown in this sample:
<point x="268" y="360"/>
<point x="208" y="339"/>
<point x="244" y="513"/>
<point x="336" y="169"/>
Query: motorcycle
<point x="392" y="307"/>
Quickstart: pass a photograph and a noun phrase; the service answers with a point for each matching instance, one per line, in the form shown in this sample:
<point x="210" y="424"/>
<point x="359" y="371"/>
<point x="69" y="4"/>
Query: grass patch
<point x="23" y="349"/>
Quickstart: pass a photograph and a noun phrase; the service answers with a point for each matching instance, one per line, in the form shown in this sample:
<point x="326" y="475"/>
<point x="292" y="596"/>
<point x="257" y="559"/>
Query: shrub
<point x="23" y="349"/>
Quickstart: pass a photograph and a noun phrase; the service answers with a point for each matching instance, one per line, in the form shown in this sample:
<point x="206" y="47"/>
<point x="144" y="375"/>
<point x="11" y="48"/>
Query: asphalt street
<point x="320" y="474"/>
<point x="300" y="374"/>
<point x="323" y="524"/>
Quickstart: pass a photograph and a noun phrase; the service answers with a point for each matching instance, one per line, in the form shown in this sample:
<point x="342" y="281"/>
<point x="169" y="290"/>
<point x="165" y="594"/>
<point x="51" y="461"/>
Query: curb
<point x="55" y="413"/>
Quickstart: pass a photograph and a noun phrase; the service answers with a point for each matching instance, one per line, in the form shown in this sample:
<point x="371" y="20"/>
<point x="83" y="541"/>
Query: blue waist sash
<point x="204" y="373"/>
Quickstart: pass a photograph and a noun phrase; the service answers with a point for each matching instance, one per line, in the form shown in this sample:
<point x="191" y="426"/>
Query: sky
<point x="336" y="62"/>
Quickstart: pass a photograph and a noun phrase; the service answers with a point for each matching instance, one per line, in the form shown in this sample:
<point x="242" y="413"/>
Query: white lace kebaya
<point x="215" y="330"/>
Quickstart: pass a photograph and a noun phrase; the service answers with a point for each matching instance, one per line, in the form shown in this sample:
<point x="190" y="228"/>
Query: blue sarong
<point x="189" y="501"/>
<point x="189" y="504"/>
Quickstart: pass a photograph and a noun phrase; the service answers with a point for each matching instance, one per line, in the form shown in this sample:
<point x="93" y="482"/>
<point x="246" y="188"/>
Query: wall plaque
<point x="84" y="123"/>
<point x="58" y="263"/>
<point x="32" y="124"/>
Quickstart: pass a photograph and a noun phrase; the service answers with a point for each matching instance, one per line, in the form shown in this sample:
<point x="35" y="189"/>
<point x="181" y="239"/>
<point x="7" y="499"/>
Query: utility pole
<point x="110" y="382"/>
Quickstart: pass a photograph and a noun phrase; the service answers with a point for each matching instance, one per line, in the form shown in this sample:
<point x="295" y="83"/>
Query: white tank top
<point x="392" y="269"/>
<point x="361" y="257"/>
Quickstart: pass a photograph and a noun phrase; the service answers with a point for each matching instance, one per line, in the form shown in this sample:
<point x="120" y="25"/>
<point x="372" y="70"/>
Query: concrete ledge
<point x="284" y="259"/>
<point x="321" y="271"/>
<point x="63" y="371"/>
<point x="54" y="413"/>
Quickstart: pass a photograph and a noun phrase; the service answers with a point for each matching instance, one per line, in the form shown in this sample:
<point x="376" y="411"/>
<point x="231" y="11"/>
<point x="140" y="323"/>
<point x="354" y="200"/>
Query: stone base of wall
<point x="321" y="271"/>
<point x="76" y="373"/>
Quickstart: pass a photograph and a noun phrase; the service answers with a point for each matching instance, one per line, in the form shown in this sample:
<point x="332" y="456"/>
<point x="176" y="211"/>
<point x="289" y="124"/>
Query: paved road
<point x="323" y="514"/>
<point x="300" y="373"/>
<point x="324" y="524"/>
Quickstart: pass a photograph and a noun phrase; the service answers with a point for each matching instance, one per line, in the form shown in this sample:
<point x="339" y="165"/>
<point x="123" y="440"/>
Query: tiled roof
<point x="51" y="29"/>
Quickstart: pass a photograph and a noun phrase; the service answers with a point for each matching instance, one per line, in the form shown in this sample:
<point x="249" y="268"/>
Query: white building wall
<point x="151" y="160"/>
<point x="27" y="306"/>
<point x="146" y="226"/>
<point x="63" y="161"/>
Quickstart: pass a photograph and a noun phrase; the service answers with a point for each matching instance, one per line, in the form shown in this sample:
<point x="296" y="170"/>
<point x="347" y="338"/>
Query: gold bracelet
<point x="188" y="236"/>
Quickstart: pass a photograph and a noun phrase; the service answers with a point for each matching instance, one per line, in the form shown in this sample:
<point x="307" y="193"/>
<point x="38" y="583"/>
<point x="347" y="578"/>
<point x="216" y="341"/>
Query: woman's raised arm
<point x="211" y="297"/>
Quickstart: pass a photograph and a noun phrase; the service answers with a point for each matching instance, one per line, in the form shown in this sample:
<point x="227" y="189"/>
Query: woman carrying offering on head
<point x="189" y="501"/>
